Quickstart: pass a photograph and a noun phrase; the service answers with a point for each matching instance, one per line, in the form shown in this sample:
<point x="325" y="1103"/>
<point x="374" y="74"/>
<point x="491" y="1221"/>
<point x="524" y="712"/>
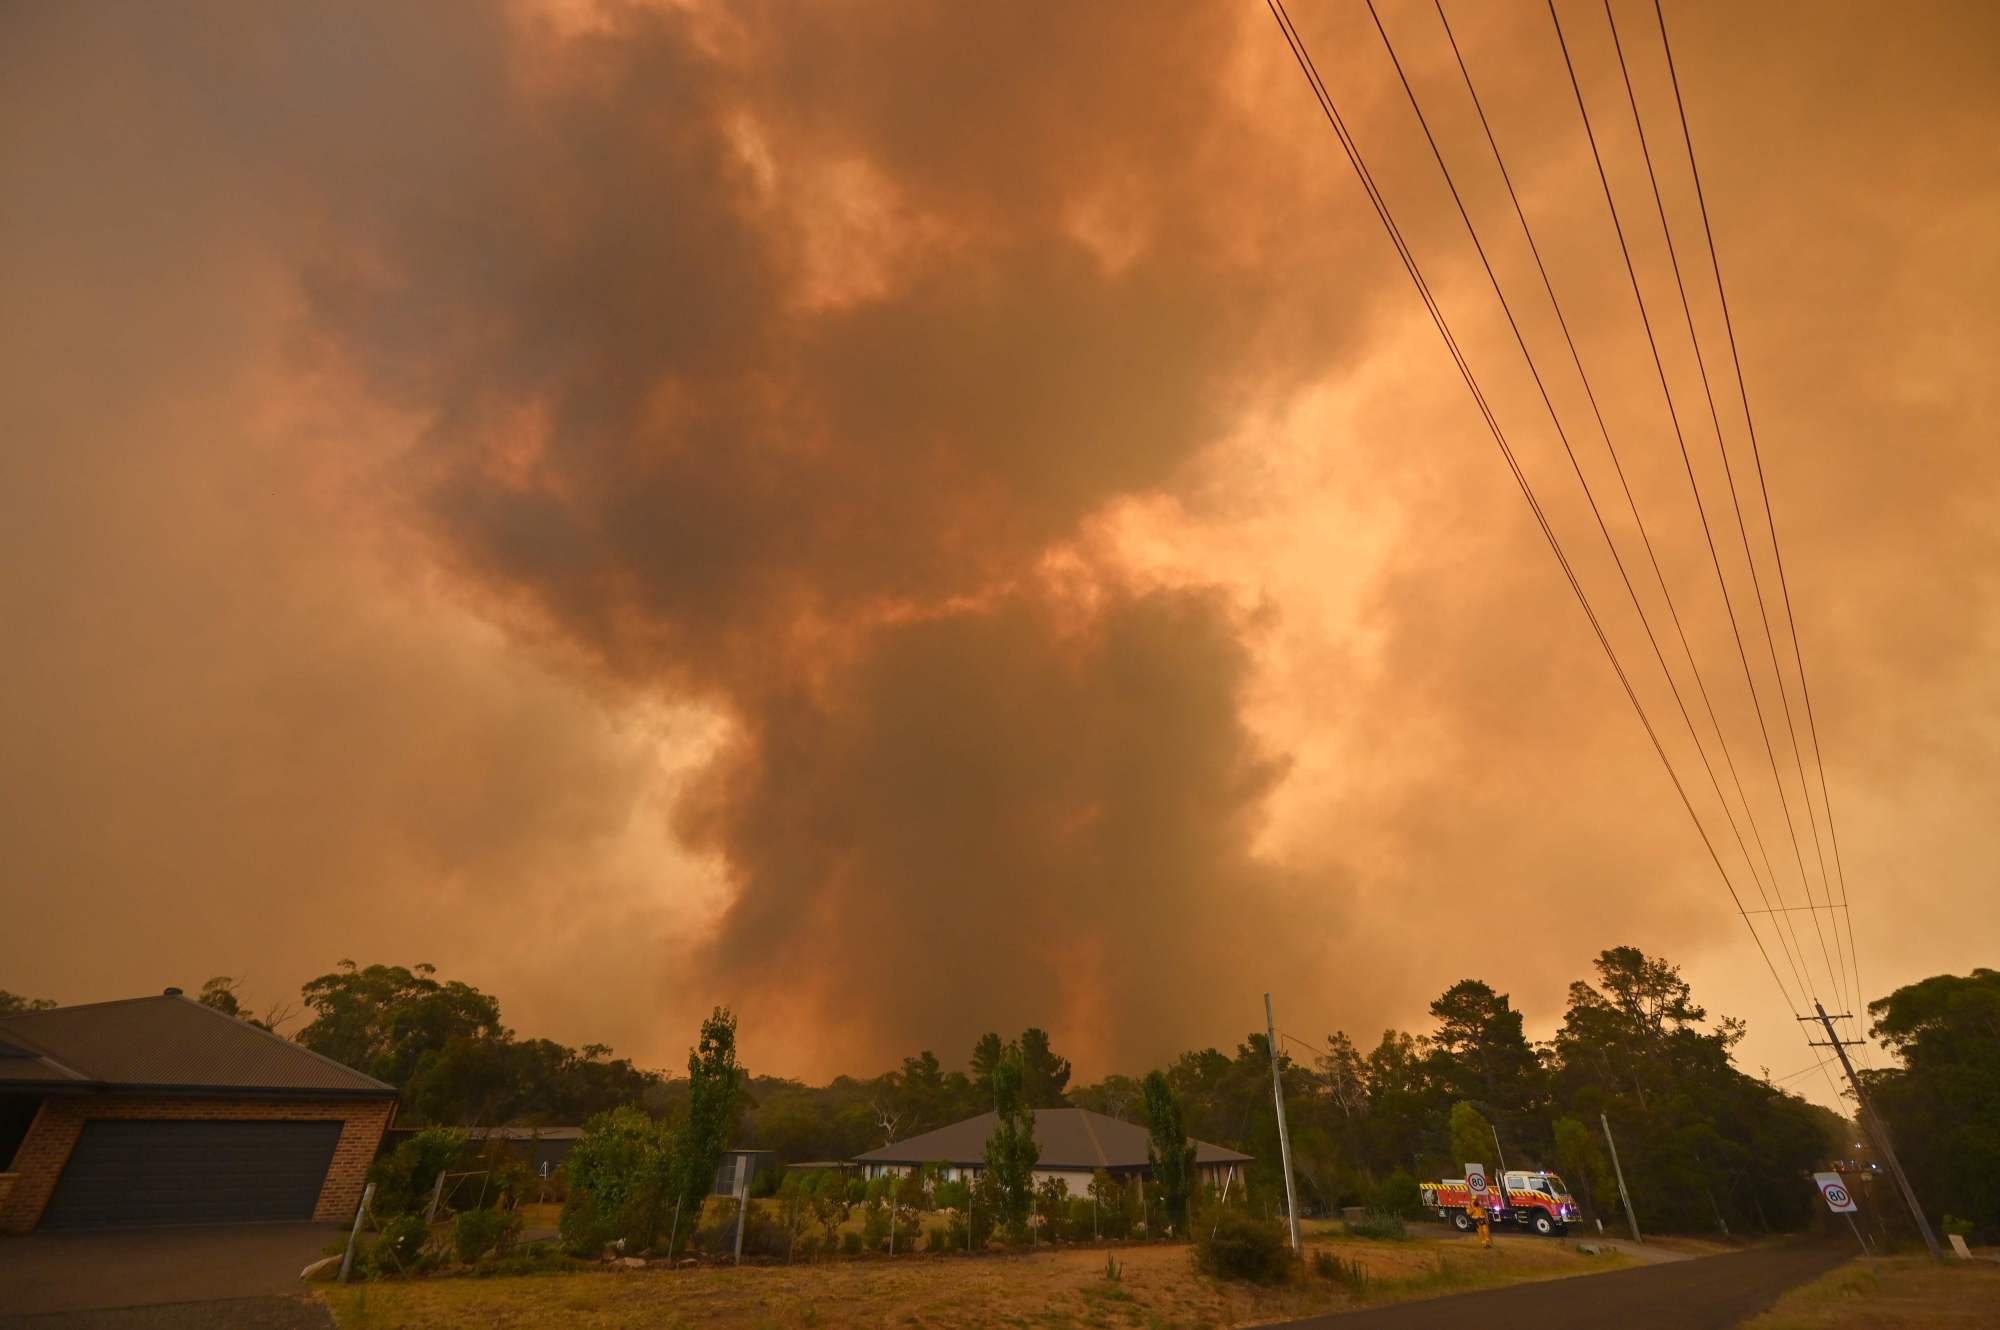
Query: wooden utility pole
<point x="1873" y="1125"/>
<point x="1284" y="1132"/>
<point x="1619" y="1169"/>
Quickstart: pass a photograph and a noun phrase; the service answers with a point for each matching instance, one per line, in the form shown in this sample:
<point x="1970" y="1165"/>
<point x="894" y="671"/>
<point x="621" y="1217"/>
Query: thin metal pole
<point x="1284" y="1132"/>
<point x="743" y="1209"/>
<point x="1880" y="1132"/>
<point x="1619" y="1169"/>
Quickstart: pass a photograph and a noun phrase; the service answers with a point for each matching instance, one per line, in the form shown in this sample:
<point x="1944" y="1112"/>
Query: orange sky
<point x="915" y="519"/>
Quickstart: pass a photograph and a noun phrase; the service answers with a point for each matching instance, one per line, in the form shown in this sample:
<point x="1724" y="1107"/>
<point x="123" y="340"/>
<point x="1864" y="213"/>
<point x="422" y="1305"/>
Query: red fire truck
<point x="1536" y="1201"/>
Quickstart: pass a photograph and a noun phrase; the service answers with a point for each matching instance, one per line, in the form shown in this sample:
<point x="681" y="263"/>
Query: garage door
<point x="142" y="1172"/>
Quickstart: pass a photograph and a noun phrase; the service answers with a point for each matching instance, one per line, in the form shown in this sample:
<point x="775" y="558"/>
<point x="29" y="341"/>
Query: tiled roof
<point x="164" y="1043"/>
<point x="1070" y="1138"/>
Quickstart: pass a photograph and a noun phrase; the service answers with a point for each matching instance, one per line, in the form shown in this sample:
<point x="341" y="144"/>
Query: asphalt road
<point x="1708" y="1293"/>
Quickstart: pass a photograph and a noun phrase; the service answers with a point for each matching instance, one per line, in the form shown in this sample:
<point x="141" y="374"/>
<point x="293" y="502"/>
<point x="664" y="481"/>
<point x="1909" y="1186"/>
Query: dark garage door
<point x="143" y="1172"/>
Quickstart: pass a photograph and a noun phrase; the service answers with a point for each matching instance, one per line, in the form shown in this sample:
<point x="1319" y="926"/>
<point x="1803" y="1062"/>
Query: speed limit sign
<point x="1835" y="1191"/>
<point x="1475" y="1179"/>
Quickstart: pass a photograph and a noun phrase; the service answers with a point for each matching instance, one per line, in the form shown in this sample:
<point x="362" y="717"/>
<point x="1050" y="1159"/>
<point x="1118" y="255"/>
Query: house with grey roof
<point x="158" y="1111"/>
<point x="1075" y="1143"/>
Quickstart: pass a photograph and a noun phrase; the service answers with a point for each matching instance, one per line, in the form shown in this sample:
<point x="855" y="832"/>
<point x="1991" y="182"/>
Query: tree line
<point x="1705" y="1146"/>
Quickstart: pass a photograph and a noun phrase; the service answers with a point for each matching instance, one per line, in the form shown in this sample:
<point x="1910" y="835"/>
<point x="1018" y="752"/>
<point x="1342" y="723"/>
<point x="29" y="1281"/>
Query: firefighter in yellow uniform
<point x="1477" y="1212"/>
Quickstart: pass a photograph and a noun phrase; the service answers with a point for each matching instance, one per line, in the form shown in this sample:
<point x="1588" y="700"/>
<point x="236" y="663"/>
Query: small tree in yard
<point x="1113" y="1198"/>
<point x="830" y="1207"/>
<point x="620" y="1182"/>
<point x="1169" y="1151"/>
<point x="795" y="1210"/>
<point x="984" y="1210"/>
<point x="1052" y="1206"/>
<point x="1471" y="1134"/>
<point x="1011" y="1151"/>
<point x="712" y="1093"/>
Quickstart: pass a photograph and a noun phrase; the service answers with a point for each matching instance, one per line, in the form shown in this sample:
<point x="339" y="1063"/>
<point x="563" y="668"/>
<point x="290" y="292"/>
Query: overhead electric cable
<point x="1576" y="358"/>
<point x="1701" y="364"/>
<point x="1736" y="360"/>
<point x="1382" y="212"/>
<point x="1680" y="438"/>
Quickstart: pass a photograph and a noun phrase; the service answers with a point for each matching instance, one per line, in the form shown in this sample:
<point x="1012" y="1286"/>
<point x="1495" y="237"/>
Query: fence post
<point x="367" y="1194"/>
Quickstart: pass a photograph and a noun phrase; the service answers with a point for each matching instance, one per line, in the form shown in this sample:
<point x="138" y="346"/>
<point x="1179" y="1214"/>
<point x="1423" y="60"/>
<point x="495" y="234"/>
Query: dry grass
<point x="1897" y="1293"/>
<point x="1157" y="1288"/>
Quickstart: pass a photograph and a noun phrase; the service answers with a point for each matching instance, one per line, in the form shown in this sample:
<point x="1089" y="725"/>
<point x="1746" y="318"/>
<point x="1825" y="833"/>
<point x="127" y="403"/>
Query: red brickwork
<point x="45" y="1150"/>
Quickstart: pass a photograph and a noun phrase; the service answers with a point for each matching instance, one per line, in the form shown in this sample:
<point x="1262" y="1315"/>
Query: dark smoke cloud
<point x="917" y="519"/>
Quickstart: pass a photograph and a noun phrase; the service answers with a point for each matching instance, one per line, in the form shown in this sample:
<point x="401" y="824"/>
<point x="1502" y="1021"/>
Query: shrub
<point x="405" y="1176"/>
<point x="1114" y="1205"/>
<point x="830" y="1207"/>
<point x="938" y="1239"/>
<point x="1398" y="1194"/>
<point x="850" y="1243"/>
<point x="1112" y="1270"/>
<point x="474" y="1233"/>
<point x="1078" y="1222"/>
<point x="1052" y="1208"/>
<point x="620" y="1177"/>
<point x="875" y="1226"/>
<point x="400" y="1248"/>
<point x="1238" y="1246"/>
<point x="766" y="1184"/>
<point x="1348" y="1274"/>
<point x="1378" y="1224"/>
<point x="953" y="1195"/>
<point x="1953" y="1224"/>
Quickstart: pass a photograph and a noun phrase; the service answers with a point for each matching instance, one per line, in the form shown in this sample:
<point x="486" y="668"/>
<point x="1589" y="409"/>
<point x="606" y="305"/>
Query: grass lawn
<point x="1910" y="1293"/>
<point x="1157" y="1288"/>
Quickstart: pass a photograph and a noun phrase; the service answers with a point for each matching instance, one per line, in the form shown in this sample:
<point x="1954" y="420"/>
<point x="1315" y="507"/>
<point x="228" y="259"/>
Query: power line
<point x="1701" y="364"/>
<point x="1736" y="360"/>
<point x="1680" y="439"/>
<point x="1562" y="435"/>
<point x="1631" y="502"/>
<point x="1306" y="65"/>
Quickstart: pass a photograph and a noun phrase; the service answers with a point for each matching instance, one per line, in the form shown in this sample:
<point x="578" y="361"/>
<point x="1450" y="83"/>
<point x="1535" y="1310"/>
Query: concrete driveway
<point x="236" y="1274"/>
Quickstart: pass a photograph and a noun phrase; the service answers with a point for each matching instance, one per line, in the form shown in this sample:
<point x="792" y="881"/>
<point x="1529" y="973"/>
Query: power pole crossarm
<point x="1284" y="1132"/>
<point x="1872" y="1123"/>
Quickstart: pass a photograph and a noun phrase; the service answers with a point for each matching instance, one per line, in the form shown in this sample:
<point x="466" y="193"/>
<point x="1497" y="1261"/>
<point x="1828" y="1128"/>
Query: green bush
<point x="1953" y="1224"/>
<point x="1051" y="1208"/>
<point x="1235" y="1245"/>
<point x="474" y="1233"/>
<point x="405" y="1177"/>
<point x="400" y="1248"/>
<point x="850" y="1243"/>
<point x="1378" y="1224"/>
<point x="857" y="1190"/>
<point x="938" y="1239"/>
<point x="1348" y="1274"/>
<point x="620" y="1180"/>
<point x="1398" y="1194"/>
<point x="875" y="1226"/>
<point x="953" y="1195"/>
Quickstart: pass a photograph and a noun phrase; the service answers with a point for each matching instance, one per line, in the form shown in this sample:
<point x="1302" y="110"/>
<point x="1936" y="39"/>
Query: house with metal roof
<point x="158" y="1110"/>
<point x="1075" y="1143"/>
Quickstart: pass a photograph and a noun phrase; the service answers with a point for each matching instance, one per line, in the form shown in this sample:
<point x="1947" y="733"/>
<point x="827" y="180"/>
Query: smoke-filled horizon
<point x="908" y="520"/>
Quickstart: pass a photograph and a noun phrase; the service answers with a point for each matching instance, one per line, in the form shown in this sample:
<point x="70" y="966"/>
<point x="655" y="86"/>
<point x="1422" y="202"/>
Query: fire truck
<point x="1536" y="1201"/>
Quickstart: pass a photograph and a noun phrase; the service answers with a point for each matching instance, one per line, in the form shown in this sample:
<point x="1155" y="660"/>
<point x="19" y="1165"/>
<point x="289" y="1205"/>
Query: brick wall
<point x="46" y="1148"/>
